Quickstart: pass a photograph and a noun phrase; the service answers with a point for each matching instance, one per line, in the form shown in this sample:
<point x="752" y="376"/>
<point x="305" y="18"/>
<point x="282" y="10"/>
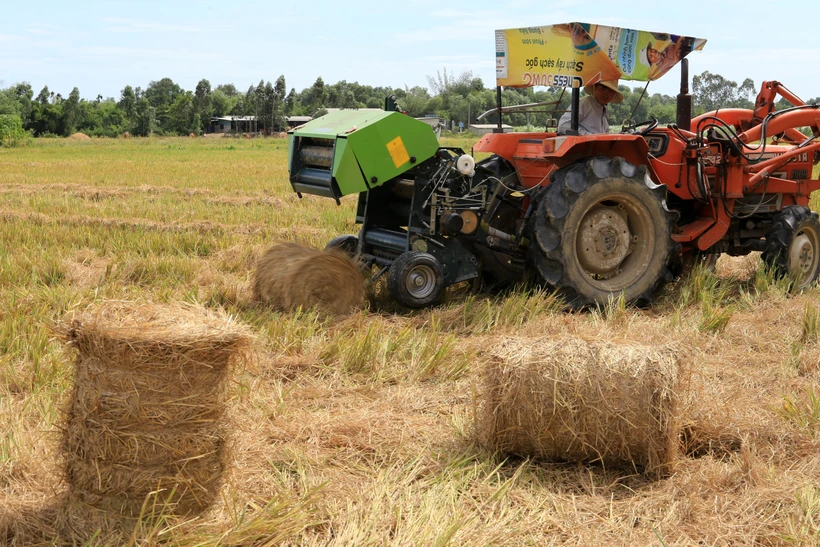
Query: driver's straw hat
<point x="611" y="84"/>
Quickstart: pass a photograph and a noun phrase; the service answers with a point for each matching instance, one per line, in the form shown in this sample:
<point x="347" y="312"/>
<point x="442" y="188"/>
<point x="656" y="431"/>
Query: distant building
<point x="337" y="109"/>
<point x="234" y="124"/>
<point x="433" y="121"/>
<point x="481" y="129"/>
<point x="296" y="121"/>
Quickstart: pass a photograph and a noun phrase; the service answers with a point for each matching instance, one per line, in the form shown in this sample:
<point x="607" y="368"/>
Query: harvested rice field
<point x="381" y="426"/>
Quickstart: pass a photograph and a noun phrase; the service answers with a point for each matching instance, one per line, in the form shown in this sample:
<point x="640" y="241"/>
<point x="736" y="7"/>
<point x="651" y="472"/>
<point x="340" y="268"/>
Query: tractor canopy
<point x="581" y="53"/>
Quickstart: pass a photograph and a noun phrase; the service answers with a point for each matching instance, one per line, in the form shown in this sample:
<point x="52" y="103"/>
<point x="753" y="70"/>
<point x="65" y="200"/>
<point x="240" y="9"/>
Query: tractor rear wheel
<point x="793" y="245"/>
<point x="416" y="279"/>
<point x="602" y="229"/>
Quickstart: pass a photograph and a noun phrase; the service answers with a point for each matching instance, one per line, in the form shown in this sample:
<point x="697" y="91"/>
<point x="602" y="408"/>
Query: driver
<point x="592" y="109"/>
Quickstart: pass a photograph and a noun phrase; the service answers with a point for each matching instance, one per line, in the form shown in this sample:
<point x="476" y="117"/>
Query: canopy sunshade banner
<point x="557" y="55"/>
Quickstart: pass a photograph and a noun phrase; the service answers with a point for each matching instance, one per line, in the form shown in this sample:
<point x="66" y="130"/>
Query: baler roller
<point x="386" y="239"/>
<point x="310" y="176"/>
<point x="316" y="156"/>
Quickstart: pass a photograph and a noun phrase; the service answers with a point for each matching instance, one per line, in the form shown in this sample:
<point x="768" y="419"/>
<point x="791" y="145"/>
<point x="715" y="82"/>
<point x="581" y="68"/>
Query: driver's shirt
<point x="591" y="118"/>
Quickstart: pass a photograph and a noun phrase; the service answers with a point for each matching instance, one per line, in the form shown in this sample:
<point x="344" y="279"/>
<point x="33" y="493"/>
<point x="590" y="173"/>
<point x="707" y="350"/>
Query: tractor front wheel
<point x="416" y="279"/>
<point x="602" y="229"/>
<point x="793" y="245"/>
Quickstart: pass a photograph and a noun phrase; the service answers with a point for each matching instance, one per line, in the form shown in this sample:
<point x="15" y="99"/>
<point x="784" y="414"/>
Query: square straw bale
<point x="146" y="412"/>
<point x="570" y="400"/>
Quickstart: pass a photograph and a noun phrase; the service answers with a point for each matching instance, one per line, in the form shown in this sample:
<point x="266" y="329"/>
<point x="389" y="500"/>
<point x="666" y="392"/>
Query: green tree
<point x="315" y="99"/>
<point x="712" y="92"/>
<point x="128" y="103"/>
<point x="145" y="119"/>
<point x="203" y="103"/>
<point x="162" y="95"/>
<point x="43" y="96"/>
<point x="104" y="118"/>
<point x="12" y="133"/>
<point x="228" y="89"/>
<point x="280" y="89"/>
<point x="238" y="108"/>
<point x="183" y="117"/>
<point x="415" y="101"/>
<point x="221" y="104"/>
<point x="71" y="112"/>
<point x="292" y="106"/>
<point x="250" y="103"/>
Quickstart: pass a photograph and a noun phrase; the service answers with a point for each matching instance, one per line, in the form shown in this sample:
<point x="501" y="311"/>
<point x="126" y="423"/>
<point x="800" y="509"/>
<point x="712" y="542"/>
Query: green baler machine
<point x="351" y="151"/>
<point x="430" y="216"/>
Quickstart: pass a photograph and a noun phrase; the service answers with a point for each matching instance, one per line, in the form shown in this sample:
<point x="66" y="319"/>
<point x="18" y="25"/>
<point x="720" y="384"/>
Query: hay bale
<point x="147" y="405"/>
<point x="569" y="400"/>
<point x="289" y="276"/>
<point x="79" y="137"/>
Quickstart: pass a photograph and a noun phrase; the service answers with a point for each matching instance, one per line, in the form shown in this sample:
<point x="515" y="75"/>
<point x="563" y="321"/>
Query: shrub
<point x="12" y="133"/>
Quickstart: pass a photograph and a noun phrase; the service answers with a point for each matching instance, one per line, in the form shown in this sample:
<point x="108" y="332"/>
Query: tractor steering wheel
<point x="651" y="124"/>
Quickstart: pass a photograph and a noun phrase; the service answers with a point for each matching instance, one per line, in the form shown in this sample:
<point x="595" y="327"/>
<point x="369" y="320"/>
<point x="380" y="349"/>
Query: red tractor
<point x="613" y="213"/>
<point x="595" y="216"/>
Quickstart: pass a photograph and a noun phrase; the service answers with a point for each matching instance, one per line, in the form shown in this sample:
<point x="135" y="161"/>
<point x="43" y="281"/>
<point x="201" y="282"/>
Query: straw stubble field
<point x="361" y="429"/>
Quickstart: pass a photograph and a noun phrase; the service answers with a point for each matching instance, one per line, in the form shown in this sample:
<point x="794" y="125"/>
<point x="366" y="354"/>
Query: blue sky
<point x="100" y="47"/>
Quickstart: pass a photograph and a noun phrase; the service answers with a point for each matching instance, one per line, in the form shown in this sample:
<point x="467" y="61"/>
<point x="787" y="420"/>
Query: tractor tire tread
<point x="548" y="223"/>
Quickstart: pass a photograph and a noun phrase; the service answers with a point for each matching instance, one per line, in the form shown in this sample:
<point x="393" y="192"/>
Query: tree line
<point x="164" y="108"/>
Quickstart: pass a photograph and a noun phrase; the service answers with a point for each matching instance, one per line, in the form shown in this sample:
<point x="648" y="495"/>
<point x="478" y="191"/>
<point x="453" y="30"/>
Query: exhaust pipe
<point x="684" y="110"/>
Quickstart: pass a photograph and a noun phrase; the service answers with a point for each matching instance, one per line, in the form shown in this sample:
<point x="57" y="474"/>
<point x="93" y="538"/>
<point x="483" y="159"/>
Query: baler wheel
<point x="602" y="229"/>
<point x="416" y="279"/>
<point x="348" y="244"/>
<point x="793" y="245"/>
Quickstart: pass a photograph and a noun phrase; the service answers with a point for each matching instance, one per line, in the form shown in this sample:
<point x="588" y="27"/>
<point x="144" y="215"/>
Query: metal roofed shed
<point x="482" y="129"/>
<point x="234" y="124"/>
<point x="296" y="121"/>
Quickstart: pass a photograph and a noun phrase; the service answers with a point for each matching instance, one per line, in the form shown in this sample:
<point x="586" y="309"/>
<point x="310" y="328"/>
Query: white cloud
<point x="43" y="29"/>
<point x="119" y="25"/>
<point x="143" y="54"/>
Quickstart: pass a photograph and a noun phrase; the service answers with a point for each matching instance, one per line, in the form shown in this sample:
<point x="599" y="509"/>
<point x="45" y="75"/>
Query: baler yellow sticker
<point x="398" y="152"/>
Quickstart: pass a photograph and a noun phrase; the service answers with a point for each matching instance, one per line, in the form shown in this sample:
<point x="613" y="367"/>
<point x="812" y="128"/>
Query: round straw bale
<point x="289" y="276"/>
<point x="569" y="400"/>
<point x="146" y="409"/>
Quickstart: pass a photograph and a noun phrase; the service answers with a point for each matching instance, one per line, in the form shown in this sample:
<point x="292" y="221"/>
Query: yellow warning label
<point x="398" y="152"/>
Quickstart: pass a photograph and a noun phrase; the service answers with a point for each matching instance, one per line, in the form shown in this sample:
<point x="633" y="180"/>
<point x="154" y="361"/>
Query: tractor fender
<point x="570" y="149"/>
<point x="536" y="155"/>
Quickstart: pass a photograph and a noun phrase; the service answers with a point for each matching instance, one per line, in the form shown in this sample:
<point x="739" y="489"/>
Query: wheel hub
<point x="604" y="240"/>
<point x="420" y="281"/>
<point x="802" y="254"/>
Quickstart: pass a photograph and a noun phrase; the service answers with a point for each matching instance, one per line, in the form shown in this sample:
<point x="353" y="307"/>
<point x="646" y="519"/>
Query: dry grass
<point x="359" y="430"/>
